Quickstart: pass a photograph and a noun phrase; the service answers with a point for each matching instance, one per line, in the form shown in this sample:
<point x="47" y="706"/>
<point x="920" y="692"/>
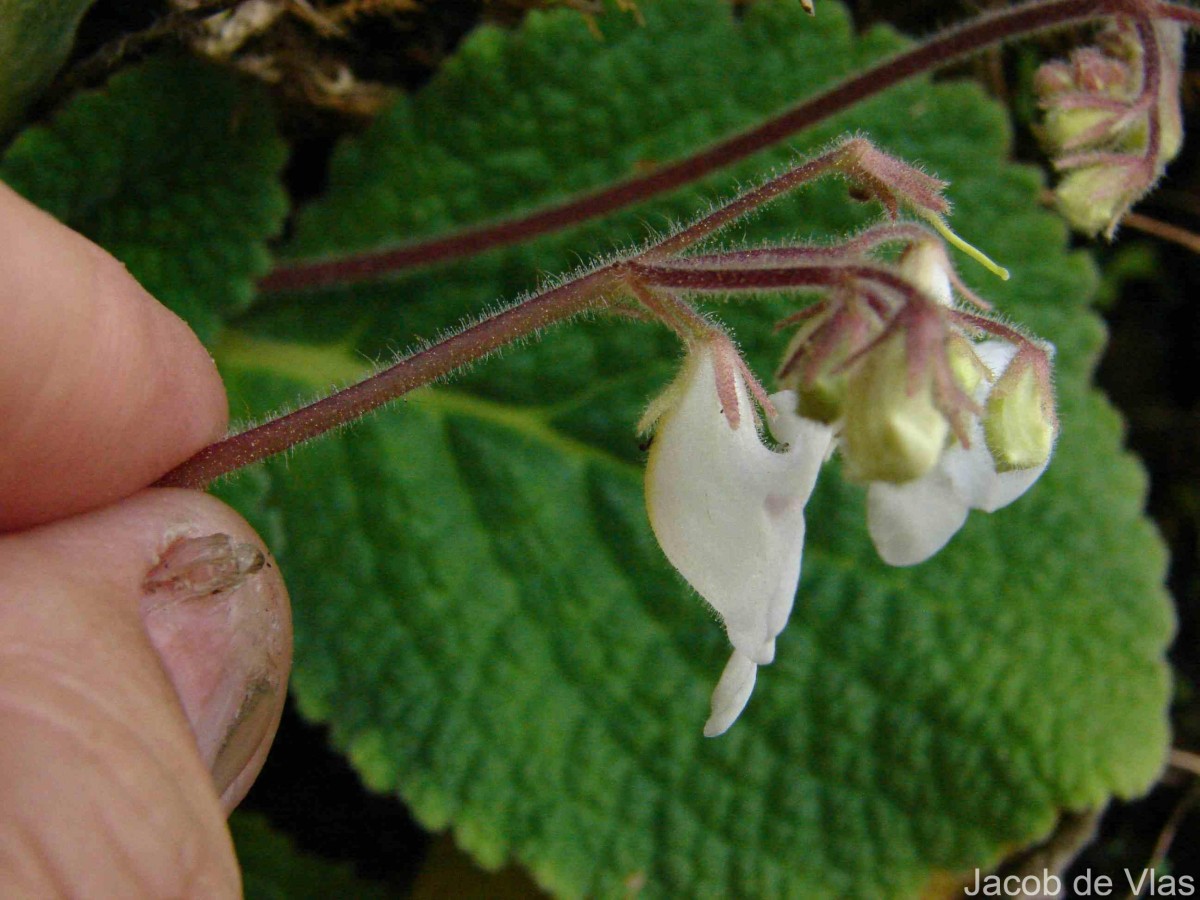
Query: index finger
<point x="102" y="388"/>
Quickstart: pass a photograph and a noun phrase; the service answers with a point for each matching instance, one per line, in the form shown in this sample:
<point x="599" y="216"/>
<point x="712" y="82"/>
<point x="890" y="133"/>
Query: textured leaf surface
<point x="482" y="615"/>
<point x="173" y="168"/>
<point x="273" y="869"/>
<point x="35" y="38"/>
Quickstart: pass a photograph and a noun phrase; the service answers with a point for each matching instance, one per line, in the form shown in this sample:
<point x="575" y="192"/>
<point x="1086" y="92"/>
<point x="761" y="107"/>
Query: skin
<point x="131" y="720"/>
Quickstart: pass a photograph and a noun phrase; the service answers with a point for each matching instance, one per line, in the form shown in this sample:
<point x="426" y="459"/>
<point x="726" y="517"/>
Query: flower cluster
<point x="936" y="408"/>
<point x="1112" y="119"/>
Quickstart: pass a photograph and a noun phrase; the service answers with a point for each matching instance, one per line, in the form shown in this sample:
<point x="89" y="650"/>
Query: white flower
<point x="729" y="512"/>
<point x="925" y="264"/>
<point x="911" y="522"/>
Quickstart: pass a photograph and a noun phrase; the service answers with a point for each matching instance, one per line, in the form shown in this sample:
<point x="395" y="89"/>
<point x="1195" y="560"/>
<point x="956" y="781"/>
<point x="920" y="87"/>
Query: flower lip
<point x="731" y="694"/>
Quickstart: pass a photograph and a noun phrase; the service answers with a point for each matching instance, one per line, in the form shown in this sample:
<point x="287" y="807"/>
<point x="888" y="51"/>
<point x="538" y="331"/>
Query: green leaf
<point x="173" y="168"/>
<point x="273" y="869"/>
<point x="481" y="613"/>
<point x="35" y="38"/>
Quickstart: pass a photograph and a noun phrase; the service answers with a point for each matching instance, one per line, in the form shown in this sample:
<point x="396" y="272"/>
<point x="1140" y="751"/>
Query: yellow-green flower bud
<point x="821" y="396"/>
<point x="925" y="265"/>
<point x="1053" y="78"/>
<point x="889" y="433"/>
<point x="823" y="399"/>
<point x="1094" y="198"/>
<point x="1170" y="135"/>
<point x="1100" y="108"/>
<point x="1080" y="127"/>
<point x="968" y="370"/>
<point x="1018" y="429"/>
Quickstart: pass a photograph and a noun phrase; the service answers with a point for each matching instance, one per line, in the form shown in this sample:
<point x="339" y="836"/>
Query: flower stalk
<point x="639" y="275"/>
<point x="659" y="270"/>
<point x="942" y="49"/>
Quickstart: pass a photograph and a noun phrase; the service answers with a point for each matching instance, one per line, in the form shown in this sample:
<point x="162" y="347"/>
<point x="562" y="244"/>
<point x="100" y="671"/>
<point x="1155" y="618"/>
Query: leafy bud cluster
<point x="1112" y="119"/>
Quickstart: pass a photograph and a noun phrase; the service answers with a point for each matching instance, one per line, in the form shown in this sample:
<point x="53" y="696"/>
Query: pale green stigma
<point x="972" y="251"/>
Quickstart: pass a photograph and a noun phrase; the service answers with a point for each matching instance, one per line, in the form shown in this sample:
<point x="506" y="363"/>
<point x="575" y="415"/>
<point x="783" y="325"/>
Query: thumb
<point x="134" y="711"/>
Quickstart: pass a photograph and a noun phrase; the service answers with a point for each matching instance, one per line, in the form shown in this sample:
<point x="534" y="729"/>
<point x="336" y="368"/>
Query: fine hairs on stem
<point x="564" y="301"/>
<point x="942" y="49"/>
<point x="884" y="178"/>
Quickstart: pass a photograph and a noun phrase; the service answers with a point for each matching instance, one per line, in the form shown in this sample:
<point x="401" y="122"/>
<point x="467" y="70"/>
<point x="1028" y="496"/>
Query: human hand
<point x="135" y="712"/>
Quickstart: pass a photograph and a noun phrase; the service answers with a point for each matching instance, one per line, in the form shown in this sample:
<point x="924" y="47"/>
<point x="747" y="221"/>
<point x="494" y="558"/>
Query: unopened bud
<point x="1170" y="133"/>
<point x="1018" y="424"/>
<point x="1096" y="72"/>
<point x="1119" y="41"/>
<point x="819" y="384"/>
<point x="966" y="366"/>
<point x="1053" y="78"/>
<point x="823" y="399"/>
<point x="924" y="264"/>
<point x="1093" y="199"/>
<point x="1077" y="128"/>
<point x="891" y="433"/>
<point x="1105" y="109"/>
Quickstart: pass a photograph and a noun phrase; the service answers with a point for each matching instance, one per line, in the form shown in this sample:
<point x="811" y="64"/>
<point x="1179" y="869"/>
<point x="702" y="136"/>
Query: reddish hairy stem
<point x="780" y="278"/>
<point x="997" y="328"/>
<point x="1151" y="83"/>
<point x="940" y="50"/>
<point x="1177" y="13"/>
<point x="868" y="239"/>
<point x="568" y="300"/>
<point x="1164" y="230"/>
<point x="470" y="344"/>
<point x="755" y="198"/>
<point x="473" y="343"/>
<point x="667" y="312"/>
